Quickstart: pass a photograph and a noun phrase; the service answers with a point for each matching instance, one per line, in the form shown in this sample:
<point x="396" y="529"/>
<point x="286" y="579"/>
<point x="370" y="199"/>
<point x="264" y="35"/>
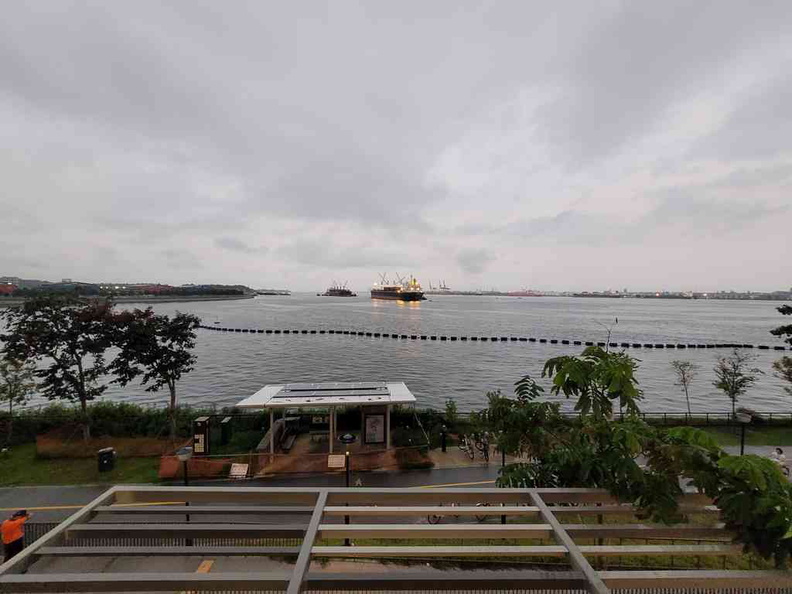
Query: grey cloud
<point x="331" y="190"/>
<point x="325" y="254"/>
<point x="759" y="128"/>
<point x="236" y="245"/>
<point x="709" y="215"/>
<point x="176" y="131"/>
<point x="632" y="68"/>
<point x="234" y="90"/>
<point x="181" y="258"/>
<point x="751" y="177"/>
<point x="566" y="226"/>
<point x="475" y="260"/>
<point x="677" y="213"/>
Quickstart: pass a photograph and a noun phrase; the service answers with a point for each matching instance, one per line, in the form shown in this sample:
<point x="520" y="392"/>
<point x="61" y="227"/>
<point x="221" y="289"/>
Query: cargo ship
<point x="409" y="290"/>
<point x="337" y="290"/>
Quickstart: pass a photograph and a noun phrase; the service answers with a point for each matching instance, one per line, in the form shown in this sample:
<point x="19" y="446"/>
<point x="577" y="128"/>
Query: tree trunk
<point x="83" y="400"/>
<point x="687" y="397"/>
<point x="10" y="421"/>
<point x="172" y="410"/>
<point x="86" y="420"/>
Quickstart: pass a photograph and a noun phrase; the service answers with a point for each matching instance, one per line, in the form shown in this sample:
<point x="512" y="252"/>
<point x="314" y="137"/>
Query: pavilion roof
<point x="328" y="394"/>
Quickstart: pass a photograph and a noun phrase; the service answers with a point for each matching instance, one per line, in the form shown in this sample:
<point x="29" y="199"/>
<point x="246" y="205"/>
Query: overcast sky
<point x="551" y="145"/>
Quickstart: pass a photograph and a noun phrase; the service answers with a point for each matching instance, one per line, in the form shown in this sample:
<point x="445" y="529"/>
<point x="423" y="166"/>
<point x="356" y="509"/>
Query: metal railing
<point x="308" y="524"/>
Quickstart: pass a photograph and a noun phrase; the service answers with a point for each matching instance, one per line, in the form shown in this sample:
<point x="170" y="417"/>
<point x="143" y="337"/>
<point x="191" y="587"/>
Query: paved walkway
<point x="53" y="504"/>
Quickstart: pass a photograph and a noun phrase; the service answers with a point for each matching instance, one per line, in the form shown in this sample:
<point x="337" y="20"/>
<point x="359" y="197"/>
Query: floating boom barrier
<point x="443" y="338"/>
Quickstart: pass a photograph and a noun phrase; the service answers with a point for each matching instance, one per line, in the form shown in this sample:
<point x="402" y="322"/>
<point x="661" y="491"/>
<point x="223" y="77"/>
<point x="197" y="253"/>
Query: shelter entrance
<point x="310" y="417"/>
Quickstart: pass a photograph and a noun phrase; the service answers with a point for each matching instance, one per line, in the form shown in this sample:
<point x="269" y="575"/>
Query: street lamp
<point x="184" y="454"/>
<point x="347" y="439"/>
<point x="744" y="419"/>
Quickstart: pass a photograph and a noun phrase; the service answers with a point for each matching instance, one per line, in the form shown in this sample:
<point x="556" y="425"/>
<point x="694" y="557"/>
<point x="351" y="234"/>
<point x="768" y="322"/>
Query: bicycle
<point x="467" y="446"/>
<point x="435" y="519"/>
<point x="483" y="446"/>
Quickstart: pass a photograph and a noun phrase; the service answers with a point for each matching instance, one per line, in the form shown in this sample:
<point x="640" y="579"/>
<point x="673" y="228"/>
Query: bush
<point x="407" y="437"/>
<point x="109" y="419"/>
<point x="413" y="459"/>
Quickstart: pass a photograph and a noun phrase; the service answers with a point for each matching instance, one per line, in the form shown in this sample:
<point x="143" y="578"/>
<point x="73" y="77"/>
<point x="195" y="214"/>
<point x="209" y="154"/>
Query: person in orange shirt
<point x="13" y="533"/>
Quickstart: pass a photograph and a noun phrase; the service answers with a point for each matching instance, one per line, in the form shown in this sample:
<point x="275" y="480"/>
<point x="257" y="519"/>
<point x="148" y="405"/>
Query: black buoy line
<point x="509" y="339"/>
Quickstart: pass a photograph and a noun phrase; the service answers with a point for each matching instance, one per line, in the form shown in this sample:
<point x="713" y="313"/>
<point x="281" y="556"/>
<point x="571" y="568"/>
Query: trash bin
<point x="106" y="458"/>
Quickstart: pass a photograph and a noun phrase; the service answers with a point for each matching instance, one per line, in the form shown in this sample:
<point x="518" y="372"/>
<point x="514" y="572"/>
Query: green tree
<point x="596" y="378"/>
<point x="643" y="465"/>
<point x="451" y="413"/>
<point x="16" y="386"/>
<point x="686" y="372"/>
<point x="784" y="331"/>
<point x="520" y="425"/>
<point x="70" y="336"/>
<point x="734" y="375"/>
<point x="156" y="347"/>
<point x="783" y="367"/>
<point x="783" y="370"/>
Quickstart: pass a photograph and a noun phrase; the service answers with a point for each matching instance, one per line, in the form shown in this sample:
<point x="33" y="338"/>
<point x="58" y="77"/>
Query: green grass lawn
<point x="20" y="466"/>
<point x="754" y="436"/>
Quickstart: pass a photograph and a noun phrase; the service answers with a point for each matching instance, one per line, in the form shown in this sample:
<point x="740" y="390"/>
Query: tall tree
<point x="785" y="330"/>
<point x="734" y="375"/>
<point x="783" y="367"/>
<point x="520" y="425"/>
<point x="16" y="386"/>
<point x="156" y="347"/>
<point x="783" y="370"/>
<point x="70" y="336"/>
<point x="686" y="372"/>
<point x="597" y="379"/>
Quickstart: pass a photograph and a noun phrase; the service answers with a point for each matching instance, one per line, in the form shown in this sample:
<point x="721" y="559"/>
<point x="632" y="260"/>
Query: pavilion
<point x="374" y="398"/>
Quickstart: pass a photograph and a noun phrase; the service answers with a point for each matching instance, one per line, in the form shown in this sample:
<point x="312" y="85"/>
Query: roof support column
<point x="332" y="427"/>
<point x="387" y="428"/>
<point x="272" y="434"/>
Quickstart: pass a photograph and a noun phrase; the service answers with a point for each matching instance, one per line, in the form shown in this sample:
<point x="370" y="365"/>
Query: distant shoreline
<point x="148" y="299"/>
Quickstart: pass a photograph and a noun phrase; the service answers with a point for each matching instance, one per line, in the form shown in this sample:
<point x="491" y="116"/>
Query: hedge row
<point x="123" y="419"/>
<point x="116" y="419"/>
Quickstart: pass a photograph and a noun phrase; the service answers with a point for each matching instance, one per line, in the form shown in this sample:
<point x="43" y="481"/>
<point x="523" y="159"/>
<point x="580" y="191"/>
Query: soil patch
<point x="68" y="443"/>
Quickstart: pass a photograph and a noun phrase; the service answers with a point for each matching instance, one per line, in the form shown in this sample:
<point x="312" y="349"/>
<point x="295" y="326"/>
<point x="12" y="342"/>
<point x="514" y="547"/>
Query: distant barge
<point x="337" y="290"/>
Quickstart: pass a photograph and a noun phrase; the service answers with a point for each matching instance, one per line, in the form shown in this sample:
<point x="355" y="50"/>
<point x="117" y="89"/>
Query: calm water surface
<point x="233" y="366"/>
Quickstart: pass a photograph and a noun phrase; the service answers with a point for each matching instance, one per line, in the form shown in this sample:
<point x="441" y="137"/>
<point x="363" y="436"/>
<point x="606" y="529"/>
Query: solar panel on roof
<point x="335" y="386"/>
<point x="322" y="393"/>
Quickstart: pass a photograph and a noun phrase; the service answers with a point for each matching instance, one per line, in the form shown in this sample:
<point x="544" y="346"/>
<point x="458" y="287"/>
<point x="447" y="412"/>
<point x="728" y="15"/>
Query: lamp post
<point x="347" y="439"/>
<point x="184" y="454"/>
<point x="744" y="419"/>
